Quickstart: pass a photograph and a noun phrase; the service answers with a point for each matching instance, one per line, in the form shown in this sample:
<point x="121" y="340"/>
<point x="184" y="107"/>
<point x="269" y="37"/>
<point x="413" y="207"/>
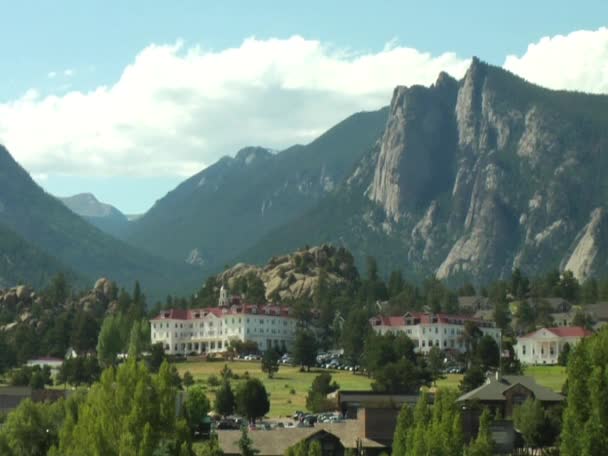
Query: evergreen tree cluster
<point x="585" y="418"/>
<point x="427" y="429"/>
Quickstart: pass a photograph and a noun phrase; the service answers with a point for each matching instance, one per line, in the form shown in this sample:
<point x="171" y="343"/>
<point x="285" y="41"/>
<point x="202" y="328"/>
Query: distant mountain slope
<point x="228" y="207"/>
<point x="21" y="262"/>
<point x="46" y="223"/>
<point x="104" y="216"/>
<point x="471" y="179"/>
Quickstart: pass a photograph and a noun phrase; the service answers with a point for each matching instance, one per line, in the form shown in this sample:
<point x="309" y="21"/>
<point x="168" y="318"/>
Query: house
<point x="598" y="313"/>
<point x="485" y="315"/>
<point x="429" y="330"/>
<point x="471" y="304"/>
<point x="503" y="393"/>
<point x="53" y="363"/>
<point x="11" y="396"/>
<point x="211" y="329"/>
<point x="377" y="412"/>
<point x="544" y="345"/>
<point x="564" y="318"/>
<point x="335" y="439"/>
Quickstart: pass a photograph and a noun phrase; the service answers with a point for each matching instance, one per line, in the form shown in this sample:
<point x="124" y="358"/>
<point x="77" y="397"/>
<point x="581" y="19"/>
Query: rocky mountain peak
<point x="414" y="161"/>
<point x="248" y="154"/>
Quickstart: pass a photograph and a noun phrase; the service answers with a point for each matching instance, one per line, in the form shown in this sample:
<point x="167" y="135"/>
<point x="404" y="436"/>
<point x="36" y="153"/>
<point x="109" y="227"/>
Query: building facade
<point x="210" y="330"/>
<point x="429" y="330"/>
<point x="544" y="345"/>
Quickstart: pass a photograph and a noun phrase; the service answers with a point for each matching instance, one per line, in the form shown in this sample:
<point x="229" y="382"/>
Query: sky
<point x="127" y="99"/>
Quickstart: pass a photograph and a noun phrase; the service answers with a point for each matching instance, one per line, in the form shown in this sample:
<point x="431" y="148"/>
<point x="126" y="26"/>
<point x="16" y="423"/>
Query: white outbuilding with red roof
<point x="544" y="345"/>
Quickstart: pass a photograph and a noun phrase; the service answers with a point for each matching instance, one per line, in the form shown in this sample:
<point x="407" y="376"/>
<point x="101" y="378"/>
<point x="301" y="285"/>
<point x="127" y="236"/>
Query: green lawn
<point x="287" y="389"/>
<point x="552" y="377"/>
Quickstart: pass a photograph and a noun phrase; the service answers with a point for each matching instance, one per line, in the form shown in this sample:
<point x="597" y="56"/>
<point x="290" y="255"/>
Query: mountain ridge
<point x="471" y="179"/>
<point x="46" y="223"/>
<point x="102" y="215"/>
<point x="219" y="212"/>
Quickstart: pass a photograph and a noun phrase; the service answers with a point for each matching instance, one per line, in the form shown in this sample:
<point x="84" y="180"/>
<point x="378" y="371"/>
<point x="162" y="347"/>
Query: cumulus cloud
<point x="51" y="74"/>
<point x="177" y="109"/>
<point x="577" y="61"/>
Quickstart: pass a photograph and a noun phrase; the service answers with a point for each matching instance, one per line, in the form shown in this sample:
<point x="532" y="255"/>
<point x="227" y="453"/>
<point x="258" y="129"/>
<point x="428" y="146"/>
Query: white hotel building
<point x="428" y="330"/>
<point x="210" y="330"/>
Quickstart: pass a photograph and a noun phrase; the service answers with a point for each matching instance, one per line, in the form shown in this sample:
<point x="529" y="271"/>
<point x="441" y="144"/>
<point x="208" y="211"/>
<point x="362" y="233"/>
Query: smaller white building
<point x="428" y="330"/>
<point x="53" y="363"/>
<point x="544" y="345"/>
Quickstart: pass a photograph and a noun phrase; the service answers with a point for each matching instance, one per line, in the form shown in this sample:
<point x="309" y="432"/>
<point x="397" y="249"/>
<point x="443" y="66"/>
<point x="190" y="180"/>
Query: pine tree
<point x="405" y="422"/>
<point x="483" y="444"/>
<point x="224" y="399"/>
<point x="270" y="362"/>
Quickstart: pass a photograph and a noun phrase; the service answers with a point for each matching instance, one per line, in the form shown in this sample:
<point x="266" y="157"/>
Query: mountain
<point x="21" y="262"/>
<point x="471" y="179"/>
<point x="225" y="209"/>
<point x="104" y="216"/>
<point x="46" y="223"/>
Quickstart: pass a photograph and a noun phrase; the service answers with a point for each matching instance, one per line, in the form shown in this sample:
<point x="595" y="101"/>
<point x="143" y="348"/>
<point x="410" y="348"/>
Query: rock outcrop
<point x="24" y="306"/>
<point x="296" y="275"/>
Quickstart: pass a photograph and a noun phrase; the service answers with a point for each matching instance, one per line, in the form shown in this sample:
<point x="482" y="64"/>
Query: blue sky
<point x="68" y="50"/>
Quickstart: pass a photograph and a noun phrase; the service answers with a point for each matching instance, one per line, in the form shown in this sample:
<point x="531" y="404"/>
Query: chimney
<point x="498" y="375"/>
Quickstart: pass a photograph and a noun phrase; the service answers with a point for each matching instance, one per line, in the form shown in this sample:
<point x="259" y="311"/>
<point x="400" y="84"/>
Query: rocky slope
<point x="22" y="305"/>
<point x="470" y="179"/>
<point x="212" y="217"/>
<point x="104" y="216"/>
<point x="296" y="275"/>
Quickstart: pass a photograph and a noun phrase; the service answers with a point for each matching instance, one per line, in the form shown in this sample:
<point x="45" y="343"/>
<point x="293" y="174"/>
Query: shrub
<point x="213" y="380"/>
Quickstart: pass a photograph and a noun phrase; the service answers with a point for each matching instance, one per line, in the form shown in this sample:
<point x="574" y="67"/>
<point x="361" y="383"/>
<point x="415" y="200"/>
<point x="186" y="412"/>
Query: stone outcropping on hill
<point x="296" y="275"/>
<point x="20" y="303"/>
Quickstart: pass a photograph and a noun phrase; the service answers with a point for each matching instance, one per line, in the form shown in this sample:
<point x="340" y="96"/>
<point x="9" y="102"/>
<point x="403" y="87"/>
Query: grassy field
<point x="552" y="377"/>
<point x="287" y="389"/>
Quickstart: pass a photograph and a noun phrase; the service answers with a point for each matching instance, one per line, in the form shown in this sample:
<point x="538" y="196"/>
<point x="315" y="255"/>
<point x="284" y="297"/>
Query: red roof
<point x="192" y="314"/>
<point x="564" y="331"/>
<point x="570" y="331"/>
<point x="427" y="318"/>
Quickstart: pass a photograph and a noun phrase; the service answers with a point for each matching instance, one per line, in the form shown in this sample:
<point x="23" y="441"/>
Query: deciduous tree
<point x="252" y="399"/>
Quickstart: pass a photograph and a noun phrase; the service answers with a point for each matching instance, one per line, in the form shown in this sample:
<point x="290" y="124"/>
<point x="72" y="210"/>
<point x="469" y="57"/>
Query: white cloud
<point x="51" y="74"/>
<point x="175" y="110"/>
<point x="68" y="73"/>
<point x="577" y="61"/>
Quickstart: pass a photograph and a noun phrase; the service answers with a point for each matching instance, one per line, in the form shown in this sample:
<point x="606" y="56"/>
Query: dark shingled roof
<point x="493" y="389"/>
<point x="277" y="441"/>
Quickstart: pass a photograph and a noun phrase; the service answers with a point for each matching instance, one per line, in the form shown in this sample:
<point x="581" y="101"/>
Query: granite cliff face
<point x="494" y="173"/>
<point x="471" y="179"/>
